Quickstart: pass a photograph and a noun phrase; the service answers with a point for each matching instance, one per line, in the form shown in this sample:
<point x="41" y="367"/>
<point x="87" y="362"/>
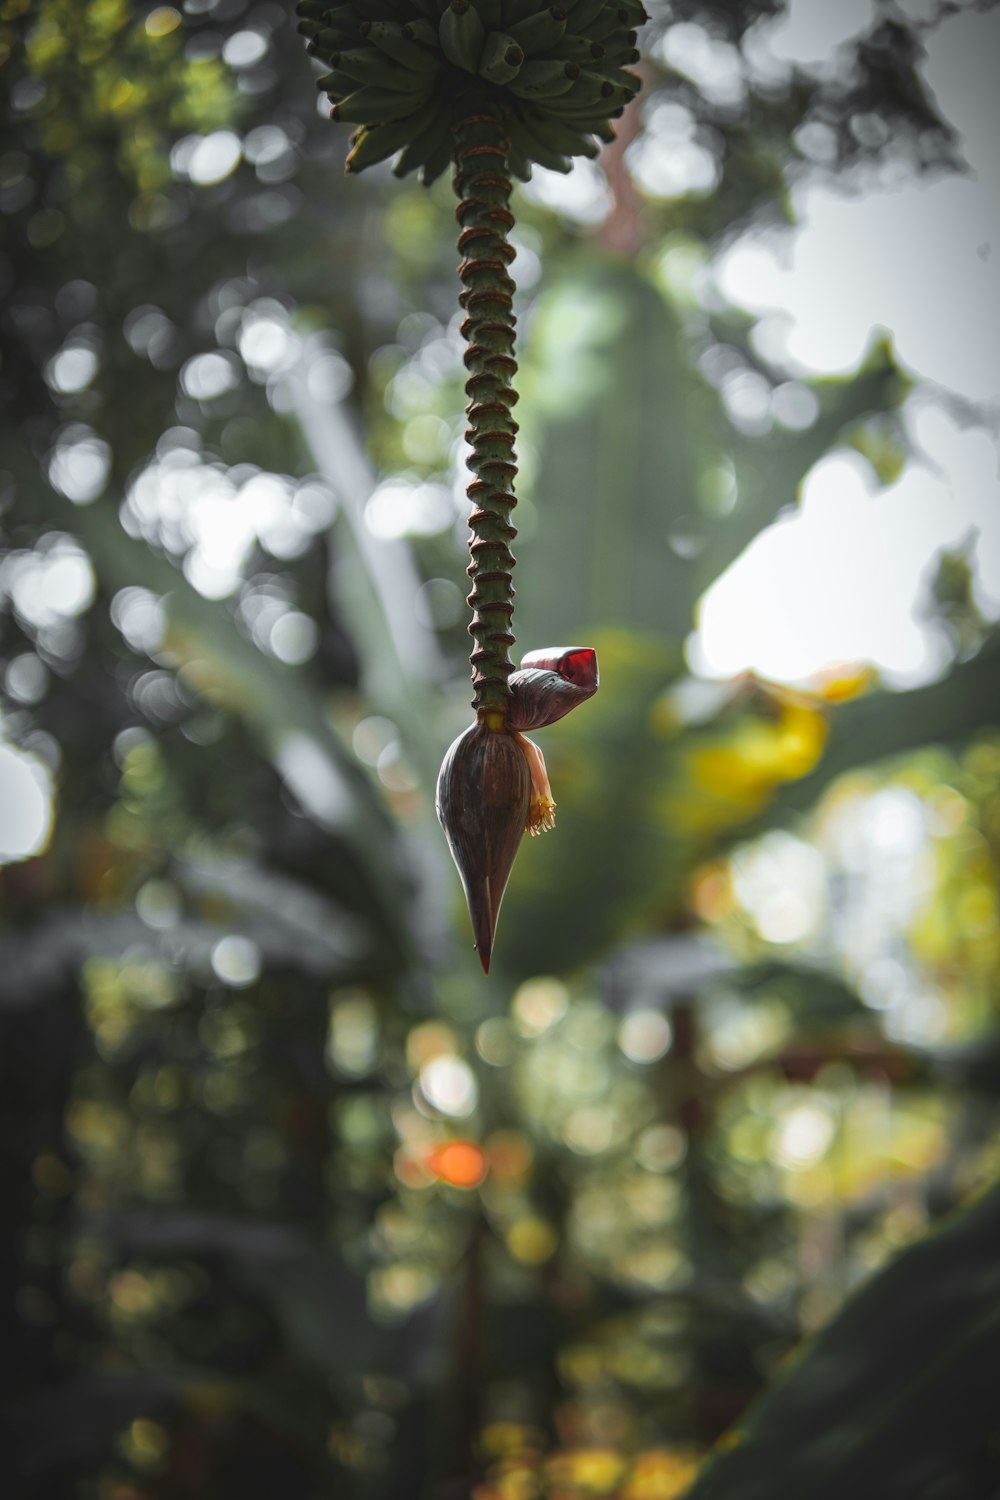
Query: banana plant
<point x="493" y="86"/>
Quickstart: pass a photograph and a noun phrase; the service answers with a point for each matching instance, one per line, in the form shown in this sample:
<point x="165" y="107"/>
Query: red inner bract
<point x="580" y="667"/>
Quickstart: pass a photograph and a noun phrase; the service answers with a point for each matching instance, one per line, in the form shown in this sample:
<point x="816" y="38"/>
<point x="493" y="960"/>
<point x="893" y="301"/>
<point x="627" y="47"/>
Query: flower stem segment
<point x="482" y="184"/>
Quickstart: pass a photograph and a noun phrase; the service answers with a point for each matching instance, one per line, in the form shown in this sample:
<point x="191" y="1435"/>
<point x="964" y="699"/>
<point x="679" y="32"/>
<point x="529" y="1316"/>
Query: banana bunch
<point x="405" y="71"/>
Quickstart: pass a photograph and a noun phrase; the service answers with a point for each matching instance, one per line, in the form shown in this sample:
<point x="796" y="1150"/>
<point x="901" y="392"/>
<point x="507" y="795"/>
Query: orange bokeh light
<point x="461" y="1164"/>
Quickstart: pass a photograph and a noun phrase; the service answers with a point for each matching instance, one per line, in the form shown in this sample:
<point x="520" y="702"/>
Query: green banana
<point x="621" y="78"/>
<point x="557" y="135"/>
<point x="369" y="65"/>
<point x="583" y="125"/>
<point x="376" y="144"/>
<point x="392" y="39"/>
<point x="428" y="140"/>
<point x="340" y="16"/>
<point x="582" y="12"/>
<point x="578" y="49"/>
<point x="332" y="39"/>
<point x="519" y="164"/>
<point x="489" y="13"/>
<point x="374" y="106"/>
<point x="608" y="24"/>
<point x="438" y="160"/>
<point x="334" y="84"/>
<point x="637" y="13"/>
<point x="517" y="10"/>
<point x="537" y="33"/>
<point x="423" y="32"/>
<point x="588" y="88"/>
<point x="502" y="58"/>
<point x="462" y="35"/>
<point x="578" y="112"/>
<point x="529" y="145"/>
<point x="322" y="50"/>
<point x="544" y="79"/>
<point x="621" y="57"/>
<point x="550" y="138"/>
<point x="580" y="116"/>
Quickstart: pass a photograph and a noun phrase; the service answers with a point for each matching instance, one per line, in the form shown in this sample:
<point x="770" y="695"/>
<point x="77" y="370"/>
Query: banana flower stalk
<point x="442" y="83"/>
<point x="493" y="787"/>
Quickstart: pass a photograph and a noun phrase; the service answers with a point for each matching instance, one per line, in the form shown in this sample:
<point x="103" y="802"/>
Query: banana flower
<point x="493" y="786"/>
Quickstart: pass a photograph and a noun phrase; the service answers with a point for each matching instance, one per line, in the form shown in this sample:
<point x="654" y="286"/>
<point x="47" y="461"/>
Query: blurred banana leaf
<point x="317" y="1299"/>
<point x="663" y="971"/>
<point x="148" y="1232"/>
<point x="298" y="920"/>
<point x="815" y="997"/>
<point x="883" y="723"/>
<point x="278" y="704"/>
<point x="644" y="492"/>
<point x="374" y="579"/>
<point x="611" y="405"/>
<point x="320" y="1304"/>
<point x="38" y="963"/>
<point x="74" y="1424"/>
<point x="895" y="1398"/>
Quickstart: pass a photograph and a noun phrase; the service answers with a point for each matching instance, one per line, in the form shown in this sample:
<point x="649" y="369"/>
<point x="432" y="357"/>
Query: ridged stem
<point x="482" y="184"/>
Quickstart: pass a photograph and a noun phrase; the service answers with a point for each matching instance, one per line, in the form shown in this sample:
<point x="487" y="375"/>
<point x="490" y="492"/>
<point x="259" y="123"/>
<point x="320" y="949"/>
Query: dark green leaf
<point x="896" y="1398"/>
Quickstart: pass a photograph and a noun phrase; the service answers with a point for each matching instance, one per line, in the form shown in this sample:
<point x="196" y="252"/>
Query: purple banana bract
<point x="493" y="787"/>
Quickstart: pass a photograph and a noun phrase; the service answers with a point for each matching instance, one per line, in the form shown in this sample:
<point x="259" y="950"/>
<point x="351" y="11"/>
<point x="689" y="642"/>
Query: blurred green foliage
<point x="297" y="1203"/>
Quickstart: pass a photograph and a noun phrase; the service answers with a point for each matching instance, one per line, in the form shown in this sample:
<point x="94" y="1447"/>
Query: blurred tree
<point x="297" y="1204"/>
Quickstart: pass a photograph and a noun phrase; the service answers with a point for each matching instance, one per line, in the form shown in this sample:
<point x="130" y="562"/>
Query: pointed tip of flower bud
<point x="483" y="797"/>
<point x="484" y="926"/>
<point x="484" y="912"/>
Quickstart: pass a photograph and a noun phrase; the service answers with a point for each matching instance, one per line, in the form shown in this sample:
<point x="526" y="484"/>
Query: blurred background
<point x="295" y="1201"/>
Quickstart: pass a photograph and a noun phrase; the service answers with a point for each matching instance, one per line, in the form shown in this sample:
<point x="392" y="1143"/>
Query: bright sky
<point x="840" y="580"/>
<point x="25" y="805"/>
